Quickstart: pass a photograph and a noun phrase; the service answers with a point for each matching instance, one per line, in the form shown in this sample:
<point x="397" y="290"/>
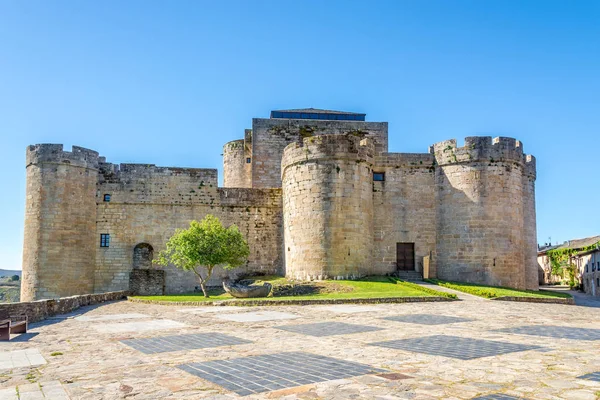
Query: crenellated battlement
<point x="131" y="173"/>
<point x="530" y="166"/>
<point x="234" y="145"/>
<point x="330" y="147"/>
<point x="54" y="153"/>
<point x="480" y="149"/>
<point x="411" y="160"/>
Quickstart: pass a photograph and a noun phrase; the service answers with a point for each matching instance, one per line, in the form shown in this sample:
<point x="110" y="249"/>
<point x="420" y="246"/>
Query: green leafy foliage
<point x="14" y="278"/>
<point x="204" y="245"/>
<point x="560" y="261"/>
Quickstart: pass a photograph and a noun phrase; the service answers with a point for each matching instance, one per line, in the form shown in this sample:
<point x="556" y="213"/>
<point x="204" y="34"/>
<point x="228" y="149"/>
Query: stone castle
<point x="316" y="194"/>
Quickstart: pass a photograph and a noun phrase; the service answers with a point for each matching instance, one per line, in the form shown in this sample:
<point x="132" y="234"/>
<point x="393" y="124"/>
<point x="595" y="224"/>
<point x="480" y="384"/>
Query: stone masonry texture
<point x="302" y="193"/>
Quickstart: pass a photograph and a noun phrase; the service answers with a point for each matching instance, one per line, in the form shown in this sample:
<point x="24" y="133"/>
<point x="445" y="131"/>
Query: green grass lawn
<point x="495" y="291"/>
<point x="371" y="287"/>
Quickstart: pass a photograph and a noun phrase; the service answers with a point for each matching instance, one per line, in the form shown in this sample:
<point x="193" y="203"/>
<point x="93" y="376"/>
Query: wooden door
<point x="405" y="256"/>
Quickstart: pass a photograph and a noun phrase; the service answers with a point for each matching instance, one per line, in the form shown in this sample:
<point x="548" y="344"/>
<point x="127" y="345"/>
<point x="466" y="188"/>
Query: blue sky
<point x="169" y="82"/>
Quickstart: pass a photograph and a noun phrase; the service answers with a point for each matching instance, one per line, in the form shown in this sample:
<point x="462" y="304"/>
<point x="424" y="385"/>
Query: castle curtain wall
<point x="149" y="203"/>
<point x="404" y="209"/>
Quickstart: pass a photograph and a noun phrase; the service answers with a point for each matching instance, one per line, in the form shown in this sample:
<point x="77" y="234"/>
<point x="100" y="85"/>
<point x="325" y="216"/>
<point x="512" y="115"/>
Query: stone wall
<point x="149" y="203"/>
<point x="404" y="209"/>
<point x="481" y="213"/>
<point x="147" y="282"/>
<point x="271" y="136"/>
<point x="60" y="222"/>
<point x="471" y="208"/>
<point x="328" y="207"/>
<point x="42" y="309"/>
<point x="588" y="266"/>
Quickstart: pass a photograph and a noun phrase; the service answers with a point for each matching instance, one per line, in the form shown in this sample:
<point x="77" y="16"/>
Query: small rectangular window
<point x="104" y="240"/>
<point x="379" y="176"/>
<point x="248" y="160"/>
<point x="107" y="197"/>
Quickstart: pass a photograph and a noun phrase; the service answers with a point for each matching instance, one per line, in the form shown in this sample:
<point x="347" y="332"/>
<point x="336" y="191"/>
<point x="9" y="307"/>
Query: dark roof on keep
<point x="317" y="113"/>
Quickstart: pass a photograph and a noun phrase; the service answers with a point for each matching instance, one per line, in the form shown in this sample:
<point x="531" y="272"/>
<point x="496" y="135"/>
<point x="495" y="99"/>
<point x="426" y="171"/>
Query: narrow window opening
<point x="104" y="240"/>
<point x="248" y="160"/>
<point x="379" y="176"/>
<point x="107" y="197"/>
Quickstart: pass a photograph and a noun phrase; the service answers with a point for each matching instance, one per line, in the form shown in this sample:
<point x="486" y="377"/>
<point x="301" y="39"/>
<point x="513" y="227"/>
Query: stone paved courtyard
<point x="139" y="351"/>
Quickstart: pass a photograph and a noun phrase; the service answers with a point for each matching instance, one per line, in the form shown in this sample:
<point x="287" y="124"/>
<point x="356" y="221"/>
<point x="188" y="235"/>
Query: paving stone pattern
<point x="138" y="326"/>
<point x="454" y="346"/>
<point x="351" y="309"/>
<point x="594" y="376"/>
<point x="163" y="344"/>
<point x="328" y="329"/>
<point x="427" y="319"/>
<point x="557" y="332"/>
<point x="111" y="317"/>
<point x="50" y="390"/>
<point x="258" y="316"/>
<point x="563" y="373"/>
<point x="256" y="374"/>
<point x="20" y="358"/>
<point x="211" y="309"/>
<point x="498" y="396"/>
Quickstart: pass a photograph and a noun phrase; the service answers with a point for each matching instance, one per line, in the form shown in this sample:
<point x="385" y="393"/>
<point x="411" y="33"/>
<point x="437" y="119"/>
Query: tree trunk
<point x="203" y="281"/>
<point x="203" y="287"/>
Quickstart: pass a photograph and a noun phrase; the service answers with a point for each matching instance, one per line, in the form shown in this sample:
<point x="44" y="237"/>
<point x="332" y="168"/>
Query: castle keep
<point x="316" y="194"/>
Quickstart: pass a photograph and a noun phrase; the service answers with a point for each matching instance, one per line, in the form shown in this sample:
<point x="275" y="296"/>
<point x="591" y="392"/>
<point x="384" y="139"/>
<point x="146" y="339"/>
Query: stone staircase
<point x="409" y="275"/>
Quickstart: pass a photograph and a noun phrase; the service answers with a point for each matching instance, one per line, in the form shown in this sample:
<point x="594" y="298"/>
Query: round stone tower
<point x="486" y="212"/>
<point x="60" y="222"/>
<point x="233" y="164"/>
<point x="328" y="207"/>
<point x="237" y="162"/>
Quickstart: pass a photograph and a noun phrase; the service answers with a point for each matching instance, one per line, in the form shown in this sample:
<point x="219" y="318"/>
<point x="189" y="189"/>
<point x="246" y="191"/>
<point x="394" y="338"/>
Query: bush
<point x="14" y="278"/>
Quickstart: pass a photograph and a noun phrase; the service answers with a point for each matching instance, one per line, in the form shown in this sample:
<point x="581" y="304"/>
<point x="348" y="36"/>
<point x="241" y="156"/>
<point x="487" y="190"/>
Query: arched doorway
<point x="142" y="256"/>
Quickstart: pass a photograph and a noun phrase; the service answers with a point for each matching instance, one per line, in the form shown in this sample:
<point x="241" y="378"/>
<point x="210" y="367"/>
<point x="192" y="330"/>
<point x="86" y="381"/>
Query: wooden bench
<point x="7" y="326"/>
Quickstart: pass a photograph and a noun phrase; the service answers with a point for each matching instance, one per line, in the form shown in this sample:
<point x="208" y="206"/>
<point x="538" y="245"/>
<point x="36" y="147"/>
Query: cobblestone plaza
<point x="488" y="350"/>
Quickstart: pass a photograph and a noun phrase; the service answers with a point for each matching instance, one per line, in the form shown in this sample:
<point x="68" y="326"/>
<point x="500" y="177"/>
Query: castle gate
<point x="405" y="256"/>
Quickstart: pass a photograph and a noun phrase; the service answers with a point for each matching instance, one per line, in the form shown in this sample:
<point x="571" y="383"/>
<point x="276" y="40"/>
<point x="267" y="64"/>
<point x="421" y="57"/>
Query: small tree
<point x="205" y="244"/>
<point x="14" y="278"/>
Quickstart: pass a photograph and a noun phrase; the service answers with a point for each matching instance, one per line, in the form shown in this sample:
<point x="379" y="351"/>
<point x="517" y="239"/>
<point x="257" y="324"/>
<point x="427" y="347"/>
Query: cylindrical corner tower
<point x="328" y="207"/>
<point x="235" y="165"/>
<point x="485" y="212"/>
<point x="530" y="225"/>
<point x="60" y="222"/>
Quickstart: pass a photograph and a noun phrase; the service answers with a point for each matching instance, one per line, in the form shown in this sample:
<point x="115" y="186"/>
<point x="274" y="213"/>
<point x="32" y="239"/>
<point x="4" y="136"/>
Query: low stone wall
<point x="292" y="302"/>
<point x="554" y="300"/>
<point x="147" y="282"/>
<point x="42" y="309"/>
